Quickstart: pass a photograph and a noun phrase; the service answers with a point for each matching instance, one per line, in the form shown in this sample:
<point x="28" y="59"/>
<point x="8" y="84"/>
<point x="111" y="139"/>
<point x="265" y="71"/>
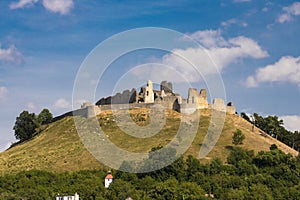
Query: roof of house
<point x="109" y="176"/>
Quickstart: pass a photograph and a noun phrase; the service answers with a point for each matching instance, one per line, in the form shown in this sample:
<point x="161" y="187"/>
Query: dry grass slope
<point x="58" y="147"/>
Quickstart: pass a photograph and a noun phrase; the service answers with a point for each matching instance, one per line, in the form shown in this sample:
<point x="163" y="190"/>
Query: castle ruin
<point x="165" y="97"/>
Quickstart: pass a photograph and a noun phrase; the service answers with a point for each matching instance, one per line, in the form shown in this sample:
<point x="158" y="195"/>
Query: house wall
<point x="107" y="182"/>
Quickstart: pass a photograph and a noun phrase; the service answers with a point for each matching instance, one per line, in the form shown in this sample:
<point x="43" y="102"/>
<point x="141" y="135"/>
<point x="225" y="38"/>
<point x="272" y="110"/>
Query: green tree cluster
<point x="27" y="123"/>
<point x="267" y="175"/>
<point x="273" y="126"/>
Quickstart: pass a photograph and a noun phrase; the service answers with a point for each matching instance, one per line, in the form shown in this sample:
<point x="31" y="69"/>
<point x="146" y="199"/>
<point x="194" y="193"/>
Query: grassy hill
<point x="58" y="147"/>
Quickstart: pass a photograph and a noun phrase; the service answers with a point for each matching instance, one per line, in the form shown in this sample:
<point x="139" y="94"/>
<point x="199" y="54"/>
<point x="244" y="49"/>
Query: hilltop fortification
<point x="148" y="97"/>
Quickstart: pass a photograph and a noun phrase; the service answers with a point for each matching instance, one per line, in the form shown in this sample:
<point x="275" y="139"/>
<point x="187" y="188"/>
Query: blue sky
<point x="255" y="44"/>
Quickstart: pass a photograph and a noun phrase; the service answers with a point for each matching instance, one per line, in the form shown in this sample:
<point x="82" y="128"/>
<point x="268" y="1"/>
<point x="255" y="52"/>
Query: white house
<point x="108" y="179"/>
<point x="62" y="197"/>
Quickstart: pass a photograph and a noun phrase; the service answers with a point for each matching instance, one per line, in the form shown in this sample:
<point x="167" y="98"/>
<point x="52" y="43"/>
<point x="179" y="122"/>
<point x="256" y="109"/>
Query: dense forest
<point x="273" y="126"/>
<point x="266" y="175"/>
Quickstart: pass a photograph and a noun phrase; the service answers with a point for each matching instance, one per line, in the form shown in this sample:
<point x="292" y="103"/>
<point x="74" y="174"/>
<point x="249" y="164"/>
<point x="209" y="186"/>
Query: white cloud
<point x="62" y="7"/>
<point x="293" y="9"/>
<point x="234" y="21"/>
<point x="22" y="4"/>
<point x="240" y="47"/>
<point x="291" y="122"/>
<point x="284" y="18"/>
<point x="184" y="60"/>
<point x="228" y="50"/>
<point x="193" y="64"/>
<point x="287" y="69"/>
<point x="217" y="54"/>
<point x="3" y="92"/>
<point x="251" y="82"/>
<point x="62" y="103"/>
<point x="11" y="54"/>
<point x="289" y="12"/>
<point x="58" y="6"/>
<point x="209" y="38"/>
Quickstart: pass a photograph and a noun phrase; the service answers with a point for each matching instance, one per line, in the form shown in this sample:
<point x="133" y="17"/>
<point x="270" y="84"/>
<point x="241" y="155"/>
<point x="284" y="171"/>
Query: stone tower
<point x="166" y="87"/>
<point x="149" y="94"/>
<point x="192" y="96"/>
<point x="202" y="100"/>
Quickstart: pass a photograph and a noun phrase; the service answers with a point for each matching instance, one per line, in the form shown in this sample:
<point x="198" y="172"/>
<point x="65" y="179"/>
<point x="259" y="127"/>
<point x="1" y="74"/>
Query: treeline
<point x="274" y="127"/>
<point x="267" y="175"/>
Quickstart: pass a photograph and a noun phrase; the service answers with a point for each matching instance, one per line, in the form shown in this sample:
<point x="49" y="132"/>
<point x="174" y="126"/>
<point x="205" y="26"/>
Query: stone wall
<point x="219" y="105"/>
<point x="230" y="109"/>
<point x="87" y="110"/>
<point x="169" y="102"/>
<point x="125" y="97"/>
<point x="186" y="108"/>
<point x="194" y="101"/>
<point x="148" y="97"/>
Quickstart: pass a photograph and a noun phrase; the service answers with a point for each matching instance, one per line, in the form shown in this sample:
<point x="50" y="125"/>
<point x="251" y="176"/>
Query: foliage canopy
<point x="238" y="137"/>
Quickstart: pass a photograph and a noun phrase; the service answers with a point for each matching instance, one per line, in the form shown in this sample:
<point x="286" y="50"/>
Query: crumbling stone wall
<point x="219" y="105"/>
<point x="194" y="101"/>
<point x="87" y="110"/>
<point x="230" y="109"/>
<point x="186" y="108"/>
<point x="125" y="97"/>
<point x="169" y="102"/>
<point x="148" y="97"/>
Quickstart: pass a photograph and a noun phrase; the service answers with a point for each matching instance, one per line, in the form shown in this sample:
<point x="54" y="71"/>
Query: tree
<point x="273" y="126"/>
<point x="273" y="147"/>
<point x="238" y="137"/>
<point x="245" y="116"/>
<point x="45" y="117"/>
<point x="238" y="153"/>
<point x="159" y="158"/>
<point x="25" y="126"/>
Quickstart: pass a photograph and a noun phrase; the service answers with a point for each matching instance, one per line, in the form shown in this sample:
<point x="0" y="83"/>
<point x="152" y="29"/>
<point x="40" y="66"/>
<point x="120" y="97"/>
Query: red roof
<point x="109" y="176"/>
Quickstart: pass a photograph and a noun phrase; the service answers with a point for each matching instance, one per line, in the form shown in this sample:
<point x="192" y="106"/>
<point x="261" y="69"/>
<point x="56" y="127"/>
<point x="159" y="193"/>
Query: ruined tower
<point x="202" y="99"/>
<point x="192" y="96"/>
<point x="166" y="87"/>
<point x="149" y="94"/>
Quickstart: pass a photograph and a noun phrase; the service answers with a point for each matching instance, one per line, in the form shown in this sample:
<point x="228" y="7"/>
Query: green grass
<point x="58" y="147"/>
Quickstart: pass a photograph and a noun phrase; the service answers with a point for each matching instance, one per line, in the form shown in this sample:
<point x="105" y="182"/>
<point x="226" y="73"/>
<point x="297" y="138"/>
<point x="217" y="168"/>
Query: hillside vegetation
<point x="58" y="147"/>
